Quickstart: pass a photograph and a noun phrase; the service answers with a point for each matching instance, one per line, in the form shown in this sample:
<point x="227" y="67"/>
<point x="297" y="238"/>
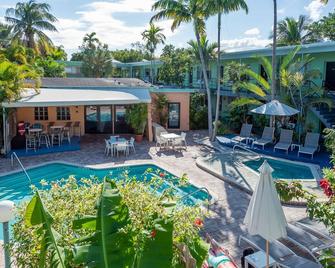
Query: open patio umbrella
<point x="265" y="216"/>
<point x="275" y="108"/>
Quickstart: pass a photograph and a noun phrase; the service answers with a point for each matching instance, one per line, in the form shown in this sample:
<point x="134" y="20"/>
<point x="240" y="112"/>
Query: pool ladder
<point x="196" y="191"/>
<point x="246" y="149"/>
<point x="14" y="156"/>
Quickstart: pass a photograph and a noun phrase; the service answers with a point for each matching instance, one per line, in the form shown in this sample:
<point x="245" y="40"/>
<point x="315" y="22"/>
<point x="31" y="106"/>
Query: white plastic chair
<point x="121" y="148"/>
<point x="108" y="148"/>
<point x="181" y="141"/>
<point x="160" y="141"/>
<point x="131" y="144"/>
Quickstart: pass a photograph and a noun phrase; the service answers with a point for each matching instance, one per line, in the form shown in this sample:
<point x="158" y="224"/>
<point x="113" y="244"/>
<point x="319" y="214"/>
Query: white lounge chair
<point x="245" y="133"/>
<point x="311" y="144"/>
<point x="316" y="228"/>
<point x="285" y="140"/>
<point x="267" y="137"/>
<point x="279" y="252"/>
<point x="307" y="241"/>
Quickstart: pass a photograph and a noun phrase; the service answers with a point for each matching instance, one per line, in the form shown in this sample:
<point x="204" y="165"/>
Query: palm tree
<point x="29" y="20"/>
<point x="188" y="11"/>
<point x="209" y="50"/>
<point x="5" y="35"/>
<point x="153" y="37"/>
<point x="294" y="78"/>
<point x="218" y="7"/>
<point x="90" y="40"/>
<point x="294" y="32"/>
<point x="274" y="47"/>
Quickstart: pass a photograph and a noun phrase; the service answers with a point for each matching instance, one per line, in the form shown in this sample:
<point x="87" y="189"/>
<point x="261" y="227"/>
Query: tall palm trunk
<point x="152" y="68"/>
<point x="218" y="74"/>
<point x="204" y="68"/>
<point x="274" y="47"/>
<point x="274" y="63"/>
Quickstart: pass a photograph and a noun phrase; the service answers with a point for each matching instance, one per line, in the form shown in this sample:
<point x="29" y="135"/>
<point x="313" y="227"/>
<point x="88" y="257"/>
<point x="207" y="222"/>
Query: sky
<point x="121" y="22"/>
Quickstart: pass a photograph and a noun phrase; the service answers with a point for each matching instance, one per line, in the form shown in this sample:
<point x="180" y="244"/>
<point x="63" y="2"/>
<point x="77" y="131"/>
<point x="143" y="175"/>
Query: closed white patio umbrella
<point x="275" y="108"/>
<point x="265" y="216"/>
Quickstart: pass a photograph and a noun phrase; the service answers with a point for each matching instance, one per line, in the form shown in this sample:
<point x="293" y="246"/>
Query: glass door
<point x="98" y="119"/>
<point x="174" y="115"/>
<point x="121" y="126"/>
<point x="91" y="119"/>
<point x="105" y="124"/>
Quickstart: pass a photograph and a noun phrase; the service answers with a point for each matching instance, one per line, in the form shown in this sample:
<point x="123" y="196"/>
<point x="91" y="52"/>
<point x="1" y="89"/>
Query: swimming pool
<point x="15" y="186"/>
<point x="283" y="169"/>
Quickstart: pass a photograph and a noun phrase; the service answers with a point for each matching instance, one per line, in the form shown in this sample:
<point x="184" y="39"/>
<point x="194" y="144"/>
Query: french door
<point x="98" y="119"/>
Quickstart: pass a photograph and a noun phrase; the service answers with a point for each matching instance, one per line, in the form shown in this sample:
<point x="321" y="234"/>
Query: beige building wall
<point x="77" y="113"/>
<point x="26" y="114"/>
<point x="177" y="97"/>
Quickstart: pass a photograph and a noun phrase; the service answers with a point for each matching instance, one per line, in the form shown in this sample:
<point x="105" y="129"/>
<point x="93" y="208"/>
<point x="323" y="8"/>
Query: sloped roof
<point x="80" y="96"/>
<point x="74" y="82"/>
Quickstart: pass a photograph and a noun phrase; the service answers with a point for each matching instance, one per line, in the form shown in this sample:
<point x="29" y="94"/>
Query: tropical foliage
<point x="153" y="37"/>
<point x="219" y="7"/>
<point x="161" y="106"/>
<point x="191" y="11"/>
<point x="176" y="63"/>
<point x="96" y="57"/>
<point x="136" y="117"/>
<point x="198" y="111"/>
<point x="324" y="28"/>
<point x="294" y="32"/>
<point x="296" y="87"/>
<point x="131" y="226"/>
<point x="28" y="22"/>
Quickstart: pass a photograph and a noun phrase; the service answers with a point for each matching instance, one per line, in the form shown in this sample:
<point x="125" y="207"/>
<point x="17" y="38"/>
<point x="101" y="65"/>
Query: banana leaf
<point x="37" y="215"/>
<point x="158" y="251"/>
<point x="108" y="246"/>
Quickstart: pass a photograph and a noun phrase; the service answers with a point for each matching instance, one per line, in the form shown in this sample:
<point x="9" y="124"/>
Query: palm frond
<point x="253" y="88"/>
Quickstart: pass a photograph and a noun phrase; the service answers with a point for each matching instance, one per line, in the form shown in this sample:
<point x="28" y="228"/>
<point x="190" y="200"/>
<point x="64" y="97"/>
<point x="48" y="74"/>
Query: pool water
<point x="16" y="187"/>
<point x="282" y="169"/>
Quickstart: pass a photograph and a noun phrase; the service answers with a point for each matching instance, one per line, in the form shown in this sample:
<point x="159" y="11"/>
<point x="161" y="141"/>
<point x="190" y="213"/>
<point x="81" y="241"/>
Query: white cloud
<point x="100" y="17"/>
<point x="281" y="11"/>
<point x="252" y="31"/>
<point x="244" y="43"/>
<point x="315" y="9"/>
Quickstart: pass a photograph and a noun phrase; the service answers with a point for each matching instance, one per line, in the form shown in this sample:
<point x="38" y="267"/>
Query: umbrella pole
<point x="267" y="254"/>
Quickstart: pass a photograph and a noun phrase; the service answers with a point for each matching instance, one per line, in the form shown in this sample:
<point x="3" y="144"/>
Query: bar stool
<point x="44" y="140"/>
<point x="56" y="136"/>
<point x="31" y="142"/>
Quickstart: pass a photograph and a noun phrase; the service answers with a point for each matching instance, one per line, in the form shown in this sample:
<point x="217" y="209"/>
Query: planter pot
<point x="138" y="138"/>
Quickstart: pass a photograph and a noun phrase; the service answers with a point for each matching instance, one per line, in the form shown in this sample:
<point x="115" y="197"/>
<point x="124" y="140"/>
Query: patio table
<point x="35" y="130"/>
<point x="170" y="137"/>
<point x="57" y="127"/>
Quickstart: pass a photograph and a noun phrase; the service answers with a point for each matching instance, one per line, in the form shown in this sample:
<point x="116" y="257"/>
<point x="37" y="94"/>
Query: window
<point x="63" y="113"/>
<point x="174" y="115"/>
<point x="41" y="113"/>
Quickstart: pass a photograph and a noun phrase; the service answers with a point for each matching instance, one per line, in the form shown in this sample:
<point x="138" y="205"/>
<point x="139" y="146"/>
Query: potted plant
<point x="136" y="117"/>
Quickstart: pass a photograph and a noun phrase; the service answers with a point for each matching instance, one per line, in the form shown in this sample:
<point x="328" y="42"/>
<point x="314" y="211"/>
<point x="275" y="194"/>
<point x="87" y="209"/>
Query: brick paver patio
<point x="225" y="223"/>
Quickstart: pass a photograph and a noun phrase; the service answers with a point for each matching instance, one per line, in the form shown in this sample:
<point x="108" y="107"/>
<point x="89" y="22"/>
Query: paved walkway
<point x="226" y="216"/>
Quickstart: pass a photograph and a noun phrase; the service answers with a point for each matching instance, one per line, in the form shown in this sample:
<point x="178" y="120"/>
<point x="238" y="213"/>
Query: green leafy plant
<point x="289" y="191"/>
<point x="37" y="215"/>
<point x="131" y="225"/>
<point x="136" y="116"/>
<point x="161" y="108"/>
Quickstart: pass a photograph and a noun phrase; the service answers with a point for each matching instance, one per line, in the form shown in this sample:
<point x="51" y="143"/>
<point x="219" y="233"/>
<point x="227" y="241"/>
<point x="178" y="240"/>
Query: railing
<point x="196" y="191"/>
<point x="14" y="155"/>
<point x="246" y="149"/>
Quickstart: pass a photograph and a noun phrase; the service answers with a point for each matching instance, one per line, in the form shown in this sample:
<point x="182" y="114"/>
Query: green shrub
<point x="69" y="201"/>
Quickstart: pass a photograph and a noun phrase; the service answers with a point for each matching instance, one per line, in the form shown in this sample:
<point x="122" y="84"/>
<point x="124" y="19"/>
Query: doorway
<point x="329" y="83"/>
<point x="98" y="119"/>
